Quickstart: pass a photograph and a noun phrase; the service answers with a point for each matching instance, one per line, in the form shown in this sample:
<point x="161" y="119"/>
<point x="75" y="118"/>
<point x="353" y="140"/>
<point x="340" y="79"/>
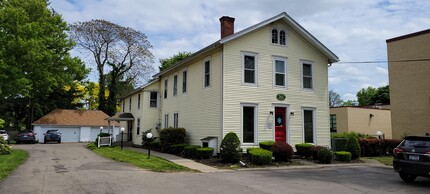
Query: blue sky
<point x="353" y="30"/>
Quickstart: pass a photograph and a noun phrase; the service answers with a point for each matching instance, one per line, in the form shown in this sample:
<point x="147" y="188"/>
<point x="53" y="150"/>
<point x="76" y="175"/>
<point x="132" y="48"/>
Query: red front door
<point x="280" y="124"/>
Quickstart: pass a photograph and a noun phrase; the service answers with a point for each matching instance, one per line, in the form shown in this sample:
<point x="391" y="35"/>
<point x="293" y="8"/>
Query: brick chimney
<point x="227" y="26"/>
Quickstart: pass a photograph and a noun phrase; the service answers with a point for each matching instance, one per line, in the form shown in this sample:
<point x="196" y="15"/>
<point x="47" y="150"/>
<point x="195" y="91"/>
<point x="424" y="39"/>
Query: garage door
<point x="70" y="134"/>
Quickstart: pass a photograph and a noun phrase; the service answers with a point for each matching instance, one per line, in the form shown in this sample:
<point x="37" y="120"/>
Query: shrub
<point x="177" y="148"/>
<point x="155" y="145"/>
<point x="5" y="149"/>
<point x="204" y="153"/>
<point x="170" y="136"/>
<point x="250" y="148"/>
<point x="304" y="149"/>
<point x="353" y="147"/>
<point x="343" y="156"/>
<point x="390" y="144"/>
<point x="92" y="146"/>
<point x="190" y="151"/>
<point x="371" y="147"/>
<point x="260" y="156"/>
<point x="325" y="156"/>
<point x="145" y="140"/>
<point x="347" y="135"/>
<point x="339" y="144"/>
<point x="266" y="145"/>
<point x="314" y="151"/>
<point x="230" y="150"/>
<point x="282" y="151"/>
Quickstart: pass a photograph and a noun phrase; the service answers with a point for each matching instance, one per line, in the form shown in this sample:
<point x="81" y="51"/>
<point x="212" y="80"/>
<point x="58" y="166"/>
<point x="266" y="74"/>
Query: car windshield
<point x="53" y="131"/>
<point x="416" y="144"/>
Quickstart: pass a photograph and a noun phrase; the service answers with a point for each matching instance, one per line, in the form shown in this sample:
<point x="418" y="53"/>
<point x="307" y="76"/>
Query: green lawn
<point x="8" y="163"/>
<point x="140" y="159"/>
<point x="387" y="160"/>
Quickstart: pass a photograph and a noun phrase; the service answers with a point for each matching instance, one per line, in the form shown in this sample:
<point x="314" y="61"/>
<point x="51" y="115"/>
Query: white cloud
<point x="354" y="30"/>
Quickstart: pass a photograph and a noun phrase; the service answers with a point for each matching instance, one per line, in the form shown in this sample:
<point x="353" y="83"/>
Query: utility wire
<point x="408" y="60"/>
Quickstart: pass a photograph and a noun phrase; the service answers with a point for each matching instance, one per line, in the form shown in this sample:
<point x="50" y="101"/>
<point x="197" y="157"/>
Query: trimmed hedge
<point x="375" y="147"/>
<point x="315" y="150"/>
<point x="177" y="148"/>
<point x="260" y="156"/>
<point x="339" y="144"/>
<point x="282" y="151"/>
<point x="204" y="153"/>
<point x="266" y="145"/>
<point x="353" y="147"/>
<point x="190" y="151"/>
<point x="325" y="156"/>
<point x="230" y="150"/>
<point x="347" y="135"/>
<point x="155" y="145"/>
<point x="250" y="148"/>
<point x="304" y="149"/>
<point x="343" y="156"/>
<point x="170" y="136"/>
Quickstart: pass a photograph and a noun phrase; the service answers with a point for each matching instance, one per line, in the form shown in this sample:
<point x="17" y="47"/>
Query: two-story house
<point x="266" y="82"/>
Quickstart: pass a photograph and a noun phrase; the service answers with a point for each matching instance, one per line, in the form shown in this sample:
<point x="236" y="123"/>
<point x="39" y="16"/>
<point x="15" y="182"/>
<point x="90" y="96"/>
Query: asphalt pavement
<point x="71" y="168"/>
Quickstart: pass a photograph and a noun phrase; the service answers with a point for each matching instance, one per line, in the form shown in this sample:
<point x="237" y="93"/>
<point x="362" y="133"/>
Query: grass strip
<point x="387" y="160"/>
<point x="140" y="160"/>
<point x="9" y="162"/>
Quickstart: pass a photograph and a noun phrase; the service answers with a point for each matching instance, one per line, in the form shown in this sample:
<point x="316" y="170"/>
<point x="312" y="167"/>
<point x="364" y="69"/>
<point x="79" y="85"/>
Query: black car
<point x="412" y="158"/>
<point x="25" y="136"/>
<point x="52" y="135"/>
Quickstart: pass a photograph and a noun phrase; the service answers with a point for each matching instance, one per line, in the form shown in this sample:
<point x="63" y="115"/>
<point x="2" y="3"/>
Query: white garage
<point x="75" y="125"/>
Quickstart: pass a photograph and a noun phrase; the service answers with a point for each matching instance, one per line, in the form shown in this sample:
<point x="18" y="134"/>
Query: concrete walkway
<point x="181" y="161"/>
<point x="305" y="164"/>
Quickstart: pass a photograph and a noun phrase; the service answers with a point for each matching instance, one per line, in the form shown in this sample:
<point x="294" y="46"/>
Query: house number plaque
<point x="281" y="97"/>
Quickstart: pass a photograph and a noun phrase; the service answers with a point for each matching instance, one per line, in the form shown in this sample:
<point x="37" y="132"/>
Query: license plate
<point x="413" y="157"/>
<point x="25" y="136"/>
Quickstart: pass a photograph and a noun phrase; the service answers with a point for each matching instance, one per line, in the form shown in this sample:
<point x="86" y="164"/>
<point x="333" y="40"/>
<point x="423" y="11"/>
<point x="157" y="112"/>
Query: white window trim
<point x="279" y="36"/>
<point x="176" y="120"/>
<point x="313" y="75"/>
<point x="158" y="99"/>
<point x="285" y="59"/>
<point x="173" y="88"/>
<point x="313" y="126"/>
<point x="204" y="73"/>
<point x="138" y="122"/>
<point x="166" y="121"/>
<point x="255" y="55"/>
<point x="255" y="123"/>
<point x="165" y="88"/>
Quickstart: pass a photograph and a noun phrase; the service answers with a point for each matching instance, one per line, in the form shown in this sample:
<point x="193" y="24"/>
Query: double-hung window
<point x="138" y="127"/>
<point x="309" y="125"/>
<point x="207" y="73"/>
<point x="280" y="71"/>
<point x="165" y="88"/>
<point x="175" y="120"/>
<point x="175" y="85"/>
<point x="166" y="120"/>
<point x="129" y="105"/>
<point x="184" y="81"/>
<point x="249" y="123"/>
<point x="153" y="101"/>
<point x="249" y="68"/>
<point x="307" y="75"/>
<point x="138" y="101"/>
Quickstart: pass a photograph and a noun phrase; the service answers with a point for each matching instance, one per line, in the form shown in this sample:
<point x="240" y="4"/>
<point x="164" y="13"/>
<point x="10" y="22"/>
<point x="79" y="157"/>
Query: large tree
<point x="119" y="52"/>
<point x="34" y="57"/>
<point x="371" y="96"/>
<point x="167" y="62"/>
<point x="334" y="99"/>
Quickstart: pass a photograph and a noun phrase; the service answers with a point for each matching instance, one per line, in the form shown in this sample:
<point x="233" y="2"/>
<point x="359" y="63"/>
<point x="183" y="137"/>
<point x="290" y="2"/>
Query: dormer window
<point x="279" y="37"/>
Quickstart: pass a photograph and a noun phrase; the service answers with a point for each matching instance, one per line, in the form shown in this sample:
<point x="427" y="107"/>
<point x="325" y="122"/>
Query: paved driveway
<point x="71" y="168"/>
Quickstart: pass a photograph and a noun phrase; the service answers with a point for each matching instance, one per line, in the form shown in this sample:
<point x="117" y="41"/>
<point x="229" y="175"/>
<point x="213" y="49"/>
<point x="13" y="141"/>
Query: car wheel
<point x="44" y="142"/>
<point x="17" y="142"/>
<point x="407" y="177"/>
<point x="59" y="141"/>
